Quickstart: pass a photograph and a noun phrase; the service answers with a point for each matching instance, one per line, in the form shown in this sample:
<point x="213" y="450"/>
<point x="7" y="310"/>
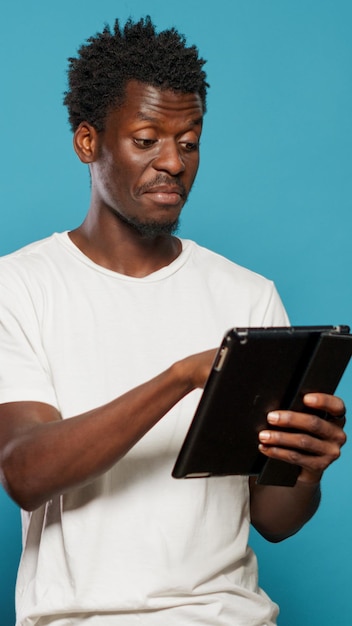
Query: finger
<point x="310" y="453"/>
<point x="331" y="404"/>
<point x="304" y="442"/>
<point x="339" y="420"/>
<point x="303" y="439"/>
<point x="307" y="423"/>
<point x="315" y="464"/>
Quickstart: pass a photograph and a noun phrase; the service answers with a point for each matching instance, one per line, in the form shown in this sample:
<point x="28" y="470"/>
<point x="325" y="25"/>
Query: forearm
<point x="279" y="512"/>
<point x="45" y="459"/>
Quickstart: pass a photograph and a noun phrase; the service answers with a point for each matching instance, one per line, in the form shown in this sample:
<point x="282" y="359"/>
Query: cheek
<point x="107" y="181"/>
<point x="130" y="166"/>
<point x="192" y="169"/>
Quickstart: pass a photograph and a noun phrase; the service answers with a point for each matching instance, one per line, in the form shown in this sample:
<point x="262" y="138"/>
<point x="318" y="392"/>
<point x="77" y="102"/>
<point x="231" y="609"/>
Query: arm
<point x="31" y="434"/>
<point x="278" y="512"/>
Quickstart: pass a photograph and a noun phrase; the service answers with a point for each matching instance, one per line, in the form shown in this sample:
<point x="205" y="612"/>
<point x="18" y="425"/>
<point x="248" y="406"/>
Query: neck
<point x="118" y="247"/>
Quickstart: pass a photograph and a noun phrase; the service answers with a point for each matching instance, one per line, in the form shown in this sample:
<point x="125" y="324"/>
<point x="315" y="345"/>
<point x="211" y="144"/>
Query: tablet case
<point x="257" y="370"/>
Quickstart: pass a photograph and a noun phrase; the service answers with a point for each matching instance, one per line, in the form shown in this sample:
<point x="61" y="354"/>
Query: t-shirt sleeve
<point x="24" y="370"/>
<point x="275" y="313"/>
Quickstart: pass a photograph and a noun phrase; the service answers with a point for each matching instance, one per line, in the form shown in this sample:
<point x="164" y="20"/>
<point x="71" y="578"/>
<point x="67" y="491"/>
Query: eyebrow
<point x="149" y="118"/>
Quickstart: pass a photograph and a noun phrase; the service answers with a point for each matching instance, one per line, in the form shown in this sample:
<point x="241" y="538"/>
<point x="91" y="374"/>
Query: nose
<point x="169" y="158"/>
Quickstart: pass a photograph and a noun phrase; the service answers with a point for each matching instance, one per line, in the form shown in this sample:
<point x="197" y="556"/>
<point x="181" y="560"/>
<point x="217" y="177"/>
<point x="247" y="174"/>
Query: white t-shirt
<point x="134" y="547"/>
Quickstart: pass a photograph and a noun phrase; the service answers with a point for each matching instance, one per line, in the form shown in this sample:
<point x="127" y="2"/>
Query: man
<point x="107" y="338"/>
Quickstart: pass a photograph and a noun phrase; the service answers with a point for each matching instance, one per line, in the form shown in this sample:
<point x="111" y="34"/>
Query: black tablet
<point x="257" y="370"/>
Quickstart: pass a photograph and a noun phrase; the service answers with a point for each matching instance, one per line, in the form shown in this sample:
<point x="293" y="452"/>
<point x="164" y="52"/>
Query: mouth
<point x="165" y="195"/>
<point x="165" y="192"/>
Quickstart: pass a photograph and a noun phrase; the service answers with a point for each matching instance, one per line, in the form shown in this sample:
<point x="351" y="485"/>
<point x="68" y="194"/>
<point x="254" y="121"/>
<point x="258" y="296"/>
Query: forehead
<point x="143" y="102"/>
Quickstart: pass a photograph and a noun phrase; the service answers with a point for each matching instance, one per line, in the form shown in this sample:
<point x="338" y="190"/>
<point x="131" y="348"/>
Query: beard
<point x="151" y="229"/>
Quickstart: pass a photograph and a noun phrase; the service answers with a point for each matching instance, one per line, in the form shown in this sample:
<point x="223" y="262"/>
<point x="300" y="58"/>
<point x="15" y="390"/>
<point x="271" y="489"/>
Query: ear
<point x="85" y="142"/>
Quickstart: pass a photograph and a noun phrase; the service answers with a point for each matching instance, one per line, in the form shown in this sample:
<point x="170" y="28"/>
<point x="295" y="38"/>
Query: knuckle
<point x="337" y="453"/>
<point x="294" y="457"/>
<point x="316" y="424"/>
<point x="320" y="464"/>
<point x="342" y="438"/>
<point x="341" y="404"/>
<point x="334" y="455"/>
<point x="304" y="442"/>
<point x="337" y="406"/>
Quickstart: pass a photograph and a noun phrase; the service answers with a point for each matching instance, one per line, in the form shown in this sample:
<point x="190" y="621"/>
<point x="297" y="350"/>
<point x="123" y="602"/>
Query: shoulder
<point x="250" y="298"/>
<point x="28" y="272"/>
<point x="31" y="250"/>
<point x="31" y="259"/>
<point x="218" y="267"/>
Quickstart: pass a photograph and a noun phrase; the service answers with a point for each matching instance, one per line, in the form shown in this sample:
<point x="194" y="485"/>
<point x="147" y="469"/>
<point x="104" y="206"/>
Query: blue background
<point x="273" y="193"/>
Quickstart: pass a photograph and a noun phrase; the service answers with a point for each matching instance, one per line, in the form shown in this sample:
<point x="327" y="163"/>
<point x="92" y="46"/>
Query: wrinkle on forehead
<point x="145" y="117"/>
<point x="159" y="99"/>
<point x="145" y="104"/>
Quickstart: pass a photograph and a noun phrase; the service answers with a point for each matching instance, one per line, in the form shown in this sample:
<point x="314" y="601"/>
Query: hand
<point x="196" y="368"/>
<point x="315" y="442"/>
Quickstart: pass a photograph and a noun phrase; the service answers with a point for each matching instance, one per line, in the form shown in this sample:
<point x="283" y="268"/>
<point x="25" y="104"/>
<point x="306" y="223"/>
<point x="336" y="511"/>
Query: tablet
<point x="257" y="370"/>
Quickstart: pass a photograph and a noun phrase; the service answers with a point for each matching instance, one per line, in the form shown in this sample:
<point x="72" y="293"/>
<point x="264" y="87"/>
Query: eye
<point x="144" y="143"/>
<point x="190" y="146"/>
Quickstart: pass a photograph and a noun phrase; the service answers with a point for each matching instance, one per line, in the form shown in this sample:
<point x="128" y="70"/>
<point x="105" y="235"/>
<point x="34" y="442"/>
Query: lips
<point x="166" y="189"/>
<point x="166" y="194"/>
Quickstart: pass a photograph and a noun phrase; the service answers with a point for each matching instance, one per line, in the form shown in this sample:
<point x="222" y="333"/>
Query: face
<point x="147" y="157"/>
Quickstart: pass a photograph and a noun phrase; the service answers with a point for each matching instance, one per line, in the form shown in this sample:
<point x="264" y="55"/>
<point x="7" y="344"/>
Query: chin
<point x="150" y="230"/>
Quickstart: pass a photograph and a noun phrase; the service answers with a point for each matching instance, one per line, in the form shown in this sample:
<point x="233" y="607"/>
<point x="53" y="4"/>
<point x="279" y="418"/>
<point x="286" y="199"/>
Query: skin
<point x="142" y="169"/>
<point x="153" y="137"/>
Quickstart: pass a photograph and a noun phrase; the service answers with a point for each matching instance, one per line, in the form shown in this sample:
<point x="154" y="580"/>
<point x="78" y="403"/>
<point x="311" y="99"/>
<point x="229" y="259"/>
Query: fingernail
<point x="311" y="398"/>
<point x="264" y="435"/>
<point x="262" y="447"/>
<point x="273" y="417"/>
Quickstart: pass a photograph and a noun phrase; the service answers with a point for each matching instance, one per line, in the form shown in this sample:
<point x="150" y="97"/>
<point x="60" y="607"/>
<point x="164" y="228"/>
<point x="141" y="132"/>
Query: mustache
<point x="161" y="179"/>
